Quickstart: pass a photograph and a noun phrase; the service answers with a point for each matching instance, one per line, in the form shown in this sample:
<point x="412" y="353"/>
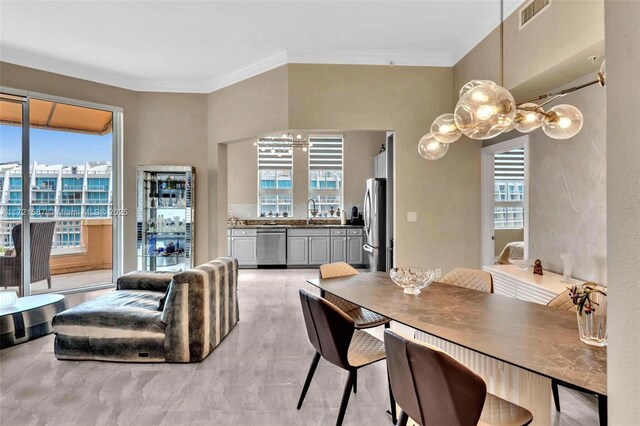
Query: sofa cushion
<point x="120" y="326"/>
<point x="143" y="280"/>
<point x="122" y="314"/>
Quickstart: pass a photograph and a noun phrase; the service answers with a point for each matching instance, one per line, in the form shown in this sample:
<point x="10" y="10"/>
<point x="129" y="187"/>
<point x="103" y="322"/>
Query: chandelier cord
<point x="502" y="43"/>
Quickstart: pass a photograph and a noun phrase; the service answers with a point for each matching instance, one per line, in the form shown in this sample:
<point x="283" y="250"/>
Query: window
<point x="325" y="173"/>
<point x="509" y="189"/>
<point x="275" y="183"/>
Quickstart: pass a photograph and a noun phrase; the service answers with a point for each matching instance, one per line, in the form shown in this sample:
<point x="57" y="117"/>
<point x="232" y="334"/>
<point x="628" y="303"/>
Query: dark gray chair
<point x="334" y="337"/>
<point x="434" y="389"/>
<point x="41" y="243"/>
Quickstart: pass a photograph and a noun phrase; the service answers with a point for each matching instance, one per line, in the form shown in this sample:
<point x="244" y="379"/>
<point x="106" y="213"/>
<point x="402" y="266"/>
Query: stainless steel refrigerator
<point x="375" y="224"/>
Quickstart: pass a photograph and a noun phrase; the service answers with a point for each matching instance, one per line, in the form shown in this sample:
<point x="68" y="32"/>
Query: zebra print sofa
<point x="153" y="317"/>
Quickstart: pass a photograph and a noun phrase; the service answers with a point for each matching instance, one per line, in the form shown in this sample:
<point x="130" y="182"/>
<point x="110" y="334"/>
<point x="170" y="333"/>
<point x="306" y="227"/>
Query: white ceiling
<point x="201" y="46"/>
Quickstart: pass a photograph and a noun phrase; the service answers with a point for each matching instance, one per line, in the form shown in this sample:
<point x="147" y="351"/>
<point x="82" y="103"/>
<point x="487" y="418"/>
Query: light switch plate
<point x="412" y="216"/>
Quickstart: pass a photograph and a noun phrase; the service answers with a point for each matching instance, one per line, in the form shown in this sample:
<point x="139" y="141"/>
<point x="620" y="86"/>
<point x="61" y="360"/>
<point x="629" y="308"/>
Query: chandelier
<point x="486" y="110"/>
<point x="282" y="144"/>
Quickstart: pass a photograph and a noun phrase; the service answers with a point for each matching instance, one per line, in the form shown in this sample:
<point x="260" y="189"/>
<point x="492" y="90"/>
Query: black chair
<point x="335" y="338"/>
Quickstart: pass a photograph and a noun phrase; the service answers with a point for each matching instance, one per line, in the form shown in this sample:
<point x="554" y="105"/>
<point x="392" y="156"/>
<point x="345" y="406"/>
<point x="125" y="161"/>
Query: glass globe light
<point x="485" y="111"/>
<point x="563" y="122"/>
<point x="529" y="117"/>
<point x="444" y="129"/>
<point x="431" y="149"/>
<point x="473" y="83"/>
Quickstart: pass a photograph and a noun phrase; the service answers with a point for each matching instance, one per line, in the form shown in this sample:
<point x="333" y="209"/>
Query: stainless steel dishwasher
<point x="272" y="246"/>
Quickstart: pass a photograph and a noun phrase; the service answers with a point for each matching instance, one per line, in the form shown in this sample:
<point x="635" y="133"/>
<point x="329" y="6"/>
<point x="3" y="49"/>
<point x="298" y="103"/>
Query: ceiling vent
<point x="532" y="9"/>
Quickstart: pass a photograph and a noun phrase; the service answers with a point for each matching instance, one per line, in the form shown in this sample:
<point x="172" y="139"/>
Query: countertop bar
<point x="294" y="226"/>
<point x="534" y="337"/>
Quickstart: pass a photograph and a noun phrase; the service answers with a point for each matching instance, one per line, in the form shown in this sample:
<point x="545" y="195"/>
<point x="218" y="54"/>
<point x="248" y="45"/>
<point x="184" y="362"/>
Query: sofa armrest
<point x="142" y="280"/>
<point x="201" y="307"/>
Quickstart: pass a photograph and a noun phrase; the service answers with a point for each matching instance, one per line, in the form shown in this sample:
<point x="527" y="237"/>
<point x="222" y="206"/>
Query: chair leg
<point x="355" y="381"/>
<point x="392" y="401"/>
<point x="307" y="382"/>
<point x="49" y="282"/>
<point x="556" y="397"/>
<point x="387" y="324"/>
<point x="345" y="398"/>
<point x="403" y="419"/>
<point x="602" y="410"/>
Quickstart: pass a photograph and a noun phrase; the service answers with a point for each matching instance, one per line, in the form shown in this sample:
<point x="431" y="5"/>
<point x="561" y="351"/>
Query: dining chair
<point x="335" y="338"/>
<point x="362" y="317"/>
<point x="469" y="278"/>
<point x="41" y="244"/>
<point x="432" y="388"/>
<point x="564" y="302"/>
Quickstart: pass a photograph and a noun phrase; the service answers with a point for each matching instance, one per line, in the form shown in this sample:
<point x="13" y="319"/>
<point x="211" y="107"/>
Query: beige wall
<point x="548" y="52"/>
<point x="359" y="149"/>
<point x="159" y="128"/>
<point x="623" y="209"/>
<point x="568" y="191"/>
<point x="444" y="193"/>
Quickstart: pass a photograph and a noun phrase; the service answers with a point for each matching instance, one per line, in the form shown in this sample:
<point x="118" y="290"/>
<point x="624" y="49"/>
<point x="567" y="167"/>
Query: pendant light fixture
<point x="486" y="109"/>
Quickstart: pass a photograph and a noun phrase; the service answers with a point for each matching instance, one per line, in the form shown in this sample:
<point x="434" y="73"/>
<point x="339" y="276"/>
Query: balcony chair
<point x="433" y="388"/>
<point x="335" y="338"/>
<point x="41" y="243"/>
<point x="469" y="278"/>
<point x="564" y="302"/>
<point x="362" y="317"/>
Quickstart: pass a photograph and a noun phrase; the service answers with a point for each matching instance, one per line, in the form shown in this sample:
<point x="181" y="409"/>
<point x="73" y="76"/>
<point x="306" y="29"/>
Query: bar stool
<point x="335" y="338"/>
<point x="434" y="389"/>
<point x="362" y="317"/>
<point x="564" y="302"/>
<point x="469" y="278"/>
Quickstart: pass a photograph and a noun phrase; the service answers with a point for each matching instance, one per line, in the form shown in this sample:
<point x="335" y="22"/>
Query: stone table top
<point x="534" y="337"/>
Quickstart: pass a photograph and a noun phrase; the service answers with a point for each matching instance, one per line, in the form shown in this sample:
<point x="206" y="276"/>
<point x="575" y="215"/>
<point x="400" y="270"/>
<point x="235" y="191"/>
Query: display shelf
<point x="157" y="185"/>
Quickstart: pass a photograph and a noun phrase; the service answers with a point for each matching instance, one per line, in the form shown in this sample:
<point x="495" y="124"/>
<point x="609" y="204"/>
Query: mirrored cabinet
<point x="166" y="217"/>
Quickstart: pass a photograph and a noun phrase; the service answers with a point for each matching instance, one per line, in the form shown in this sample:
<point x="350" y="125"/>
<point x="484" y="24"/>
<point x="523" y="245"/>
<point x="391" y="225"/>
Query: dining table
<point x="517" y="347"/>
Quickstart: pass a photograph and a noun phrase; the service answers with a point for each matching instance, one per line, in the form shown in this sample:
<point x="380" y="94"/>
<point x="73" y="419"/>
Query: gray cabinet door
<point x="297" y="250"/>
<point x="319" y="250"/>
<point x="354" y="250"/>
<point x="244" y="249"/>
<point x="338" y="249"/>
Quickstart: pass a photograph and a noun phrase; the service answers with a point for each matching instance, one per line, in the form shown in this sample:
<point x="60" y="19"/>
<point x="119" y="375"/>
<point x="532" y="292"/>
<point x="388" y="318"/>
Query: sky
<point x="54" y="147"/>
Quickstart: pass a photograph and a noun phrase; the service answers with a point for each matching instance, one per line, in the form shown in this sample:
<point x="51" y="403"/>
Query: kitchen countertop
<point x="293" y="226"/>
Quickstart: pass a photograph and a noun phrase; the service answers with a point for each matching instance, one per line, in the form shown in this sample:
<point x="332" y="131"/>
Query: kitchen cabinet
<point x="245" y="250"/>
<point x="338" y="249"/>
<point x="354" y="249"/>
<point x="297" y="250"/>
<point x="380" y="165"/>
<point x="319" y="250"/>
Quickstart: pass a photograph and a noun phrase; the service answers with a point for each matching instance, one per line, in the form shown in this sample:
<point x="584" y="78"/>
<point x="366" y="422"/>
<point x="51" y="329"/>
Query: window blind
<point x="325" y="153"/>
<point x="510" y="165"/>
<point x="269" y="160"/>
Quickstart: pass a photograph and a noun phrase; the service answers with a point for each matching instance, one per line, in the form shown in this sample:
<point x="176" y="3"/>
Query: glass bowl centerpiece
<point x="412" y="279"/>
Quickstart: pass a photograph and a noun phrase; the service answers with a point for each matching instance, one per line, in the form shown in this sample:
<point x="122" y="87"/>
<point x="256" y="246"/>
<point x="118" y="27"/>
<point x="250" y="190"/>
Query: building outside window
<point x="326" y="173"/>
<point x="509" y="189"/>
<point x="72" y="184"/>
<point x="275" y="183"/>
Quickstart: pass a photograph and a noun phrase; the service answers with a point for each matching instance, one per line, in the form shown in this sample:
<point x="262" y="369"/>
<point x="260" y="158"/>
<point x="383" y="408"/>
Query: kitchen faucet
<point x="311" y="212"/>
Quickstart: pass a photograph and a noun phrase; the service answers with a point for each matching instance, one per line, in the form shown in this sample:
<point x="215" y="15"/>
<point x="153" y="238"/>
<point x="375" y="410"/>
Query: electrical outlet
<point x="412" y="216"/>
<point x="438" y="273"/>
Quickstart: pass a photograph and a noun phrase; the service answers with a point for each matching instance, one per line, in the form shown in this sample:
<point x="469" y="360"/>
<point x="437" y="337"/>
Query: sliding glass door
<point x="68" y="193"/>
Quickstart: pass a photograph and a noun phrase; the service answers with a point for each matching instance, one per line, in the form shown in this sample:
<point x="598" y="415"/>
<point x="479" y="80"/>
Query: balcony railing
<point x="70" y="201"/>
<point x="72" y="187"/>
<point x="97" y="188"/>
<point x="101" y="201"/>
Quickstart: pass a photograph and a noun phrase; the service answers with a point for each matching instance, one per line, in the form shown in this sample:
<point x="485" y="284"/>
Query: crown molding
<point x="262" y="66"/>
<point x="370" y="57"/>
<point x="95" y="74"/>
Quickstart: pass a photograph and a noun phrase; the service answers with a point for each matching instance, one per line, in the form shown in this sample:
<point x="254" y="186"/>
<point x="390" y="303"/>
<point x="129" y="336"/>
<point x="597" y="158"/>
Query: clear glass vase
<point x="567" y="266"/>
<point x="593" y="326"/>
